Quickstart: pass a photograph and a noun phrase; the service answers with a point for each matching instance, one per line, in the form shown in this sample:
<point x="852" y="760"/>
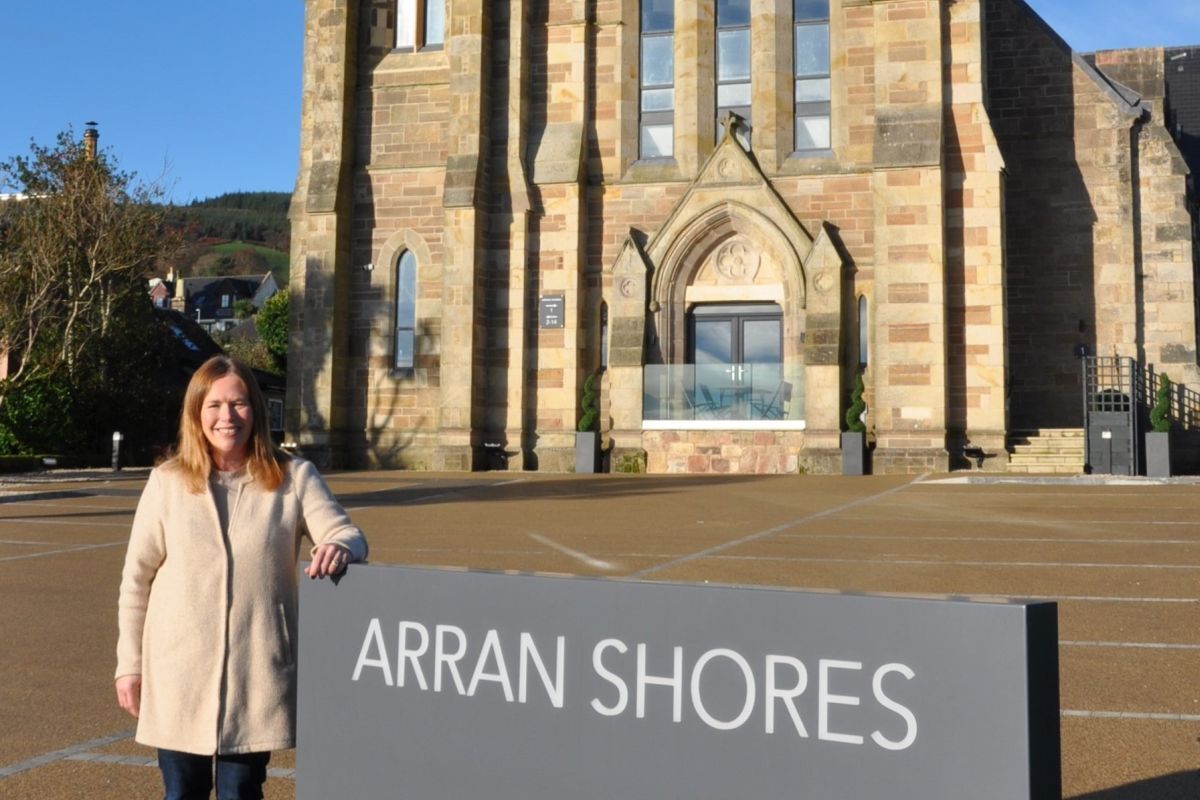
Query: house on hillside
<point x="730" y="209"/>
<point x="210" y="301"/>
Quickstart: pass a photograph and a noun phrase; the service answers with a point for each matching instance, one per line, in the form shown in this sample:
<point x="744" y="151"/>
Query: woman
<point x="206" y="658"/>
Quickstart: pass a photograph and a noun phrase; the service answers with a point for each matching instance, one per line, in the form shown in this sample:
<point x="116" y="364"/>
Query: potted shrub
<point x="587" y="435"/>
<point x="1158" y="438"/>
<point x="854" y="439"/>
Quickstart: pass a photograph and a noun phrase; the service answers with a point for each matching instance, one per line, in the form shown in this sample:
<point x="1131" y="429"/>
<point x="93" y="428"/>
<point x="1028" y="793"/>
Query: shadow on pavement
<point x="1177" y="786"/>
<point x="510" y="490"/>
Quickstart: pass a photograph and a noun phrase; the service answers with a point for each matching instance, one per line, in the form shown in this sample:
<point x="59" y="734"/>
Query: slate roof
<point x="1182" y="72"/>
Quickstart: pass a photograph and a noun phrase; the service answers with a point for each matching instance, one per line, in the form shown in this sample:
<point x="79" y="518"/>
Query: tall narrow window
<point x="811" y="57"/>
<point x="863" y="333"/>
<point x="406" y="309"/>
<point x="733" y="64"/>
<point x="603" y="336"/>
<point x="420" y="24"/>
<point x="657" y="128"/>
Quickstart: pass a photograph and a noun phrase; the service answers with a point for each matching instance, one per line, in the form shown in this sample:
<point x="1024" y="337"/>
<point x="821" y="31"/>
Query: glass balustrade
<point x="723" y="393"/>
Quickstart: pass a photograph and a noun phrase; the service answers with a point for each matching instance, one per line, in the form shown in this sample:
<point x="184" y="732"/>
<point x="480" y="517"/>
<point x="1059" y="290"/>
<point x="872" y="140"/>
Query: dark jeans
<point x="190" y="777"/>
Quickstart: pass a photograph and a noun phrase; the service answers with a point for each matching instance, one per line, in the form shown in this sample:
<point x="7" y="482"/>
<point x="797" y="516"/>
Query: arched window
<point x="420" y="24"/>
<point x="811" y="61"/>
<point x="406" y="310"/>
<point x="657" y="103"/>
<point x="863" y="341"/>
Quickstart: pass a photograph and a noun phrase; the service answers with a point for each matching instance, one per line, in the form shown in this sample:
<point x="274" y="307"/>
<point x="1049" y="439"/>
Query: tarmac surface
<point x="1122" y="558"/>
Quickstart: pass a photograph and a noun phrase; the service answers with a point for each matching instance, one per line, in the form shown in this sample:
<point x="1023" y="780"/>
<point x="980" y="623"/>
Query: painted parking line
<point x="43" y="543"/>
<point x="710" y="552"/>
<point x="1139" y="715"/>
<point x="1096" y="598"/>
<point x="982" y="539"/>
<point x="59" y="755"/>
<point x="643" y="556"/>
<point x="152" y="761"/>
<point x="59" y="522"/>
<point x="74" y="506"/>
<point x="68" y="549"/>
<point x="1130" y="645"/>
<point x="582" y="558"/>
<point x="1036" y="522"/>
<point x="919" y="562"/>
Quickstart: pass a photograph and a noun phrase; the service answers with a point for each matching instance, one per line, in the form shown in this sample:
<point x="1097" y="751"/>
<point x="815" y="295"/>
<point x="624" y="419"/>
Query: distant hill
<point x="239" y="233"/>
<point x="244" y="216"/>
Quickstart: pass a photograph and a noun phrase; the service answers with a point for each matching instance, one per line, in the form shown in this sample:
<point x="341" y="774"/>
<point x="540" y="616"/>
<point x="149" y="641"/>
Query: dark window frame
<point x="743" y="111"/>
<point x="401" y="362"/>
<point x="736" y="313"/>
<point x="654" y="118"/>
<point x="809" y="109"/>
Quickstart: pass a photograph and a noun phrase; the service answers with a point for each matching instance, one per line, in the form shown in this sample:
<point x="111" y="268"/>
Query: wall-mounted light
<point x="367" y="267"/>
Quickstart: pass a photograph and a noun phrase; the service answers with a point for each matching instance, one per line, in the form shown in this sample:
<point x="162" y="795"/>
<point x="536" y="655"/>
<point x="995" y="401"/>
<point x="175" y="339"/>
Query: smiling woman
<point x="207" y="649"/>
<point x="226" y="419"/>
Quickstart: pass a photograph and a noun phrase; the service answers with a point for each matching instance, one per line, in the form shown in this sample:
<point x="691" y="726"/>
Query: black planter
<point x="587" y="451"/>
<point x="854" y="453"/>
<point x="1158" y="454"/>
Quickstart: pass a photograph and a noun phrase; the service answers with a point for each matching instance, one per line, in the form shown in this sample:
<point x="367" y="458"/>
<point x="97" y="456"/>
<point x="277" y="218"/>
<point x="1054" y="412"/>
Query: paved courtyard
<point x="1122" y="559"/>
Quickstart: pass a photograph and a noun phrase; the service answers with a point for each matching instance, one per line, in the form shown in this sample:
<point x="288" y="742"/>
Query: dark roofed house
<point x="210" y="301"/>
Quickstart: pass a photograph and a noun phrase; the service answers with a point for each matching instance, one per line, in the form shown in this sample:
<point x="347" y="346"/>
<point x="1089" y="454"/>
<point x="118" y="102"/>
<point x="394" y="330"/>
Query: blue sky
<point x="210" y="91"/>
<point x="1111" y="24"/>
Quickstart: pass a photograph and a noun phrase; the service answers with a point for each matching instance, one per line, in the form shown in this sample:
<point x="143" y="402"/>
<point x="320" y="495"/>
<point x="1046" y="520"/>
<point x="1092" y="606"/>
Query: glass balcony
<point x="719" y="396"/>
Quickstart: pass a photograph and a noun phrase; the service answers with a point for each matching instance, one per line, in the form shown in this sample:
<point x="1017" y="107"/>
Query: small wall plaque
<point x="552" y="310"/>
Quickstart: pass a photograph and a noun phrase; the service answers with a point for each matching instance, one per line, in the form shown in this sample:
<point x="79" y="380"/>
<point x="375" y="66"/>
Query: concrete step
<point x="1050" y="451"/>
<point x="1040" y="470"/>
<point x="1047" y="457"/>
<point x="1047" y="452"/>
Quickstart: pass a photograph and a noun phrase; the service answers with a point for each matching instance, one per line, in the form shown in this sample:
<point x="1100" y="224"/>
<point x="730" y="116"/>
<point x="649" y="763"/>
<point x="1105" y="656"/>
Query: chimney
<point x="90" y="136"/>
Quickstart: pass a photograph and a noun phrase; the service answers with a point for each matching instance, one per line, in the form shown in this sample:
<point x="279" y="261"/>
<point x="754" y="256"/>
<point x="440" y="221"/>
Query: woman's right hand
<point x="129" y="693"/>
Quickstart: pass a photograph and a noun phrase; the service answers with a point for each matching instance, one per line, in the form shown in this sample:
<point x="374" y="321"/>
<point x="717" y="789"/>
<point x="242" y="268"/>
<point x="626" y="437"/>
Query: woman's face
<point x="226" y="418"/>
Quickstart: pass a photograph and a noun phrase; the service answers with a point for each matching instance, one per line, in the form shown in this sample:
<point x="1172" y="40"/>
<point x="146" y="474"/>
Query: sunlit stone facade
<point x="938" y="194"/>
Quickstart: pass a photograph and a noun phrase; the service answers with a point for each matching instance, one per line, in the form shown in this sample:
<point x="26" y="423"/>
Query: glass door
<point x="737" y="351"/>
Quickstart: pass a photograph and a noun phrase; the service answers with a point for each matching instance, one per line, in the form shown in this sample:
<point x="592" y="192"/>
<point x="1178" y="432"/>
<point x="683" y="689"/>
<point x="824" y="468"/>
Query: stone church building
<point x="726" y="211"/>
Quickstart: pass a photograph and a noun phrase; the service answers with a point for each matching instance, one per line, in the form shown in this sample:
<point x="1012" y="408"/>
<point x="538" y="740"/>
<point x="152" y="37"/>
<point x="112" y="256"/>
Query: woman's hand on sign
<point x="129" y="693"/>
<point x="328" y="559"/>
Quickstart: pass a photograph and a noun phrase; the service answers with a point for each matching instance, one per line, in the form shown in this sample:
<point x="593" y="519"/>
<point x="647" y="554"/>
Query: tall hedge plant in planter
<point x="854" y="439"/>
<point x="1158" y="438"/>
<point x="587" y="435"/>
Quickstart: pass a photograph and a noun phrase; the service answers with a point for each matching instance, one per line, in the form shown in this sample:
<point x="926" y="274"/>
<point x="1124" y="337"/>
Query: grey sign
<point x="442" y="685"/>
<point x="552" y="311"/>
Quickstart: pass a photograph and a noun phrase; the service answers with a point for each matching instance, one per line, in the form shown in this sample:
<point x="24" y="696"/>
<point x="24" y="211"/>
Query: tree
<point x="74" y="312"/>
<point x="73" y="254"/>
<point x="272" y="324"/>
<point x="854" y="414"/>
<point x="1160" y="414"/>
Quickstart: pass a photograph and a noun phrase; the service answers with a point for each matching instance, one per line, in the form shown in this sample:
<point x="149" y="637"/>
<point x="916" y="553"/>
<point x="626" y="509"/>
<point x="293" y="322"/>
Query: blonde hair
<point x="265" y="463"/>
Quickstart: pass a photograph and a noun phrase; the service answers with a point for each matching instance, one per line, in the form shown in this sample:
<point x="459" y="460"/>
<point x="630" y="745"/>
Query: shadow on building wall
<point x="304" y="415"/>
<point x="1050" y="219"/>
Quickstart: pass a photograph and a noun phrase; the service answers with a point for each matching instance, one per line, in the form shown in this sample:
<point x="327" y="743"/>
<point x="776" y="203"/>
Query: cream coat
<point x="209" y="622"/>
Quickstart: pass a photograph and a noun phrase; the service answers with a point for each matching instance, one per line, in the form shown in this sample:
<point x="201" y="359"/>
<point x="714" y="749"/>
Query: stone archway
<point x="729" y="252"/>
